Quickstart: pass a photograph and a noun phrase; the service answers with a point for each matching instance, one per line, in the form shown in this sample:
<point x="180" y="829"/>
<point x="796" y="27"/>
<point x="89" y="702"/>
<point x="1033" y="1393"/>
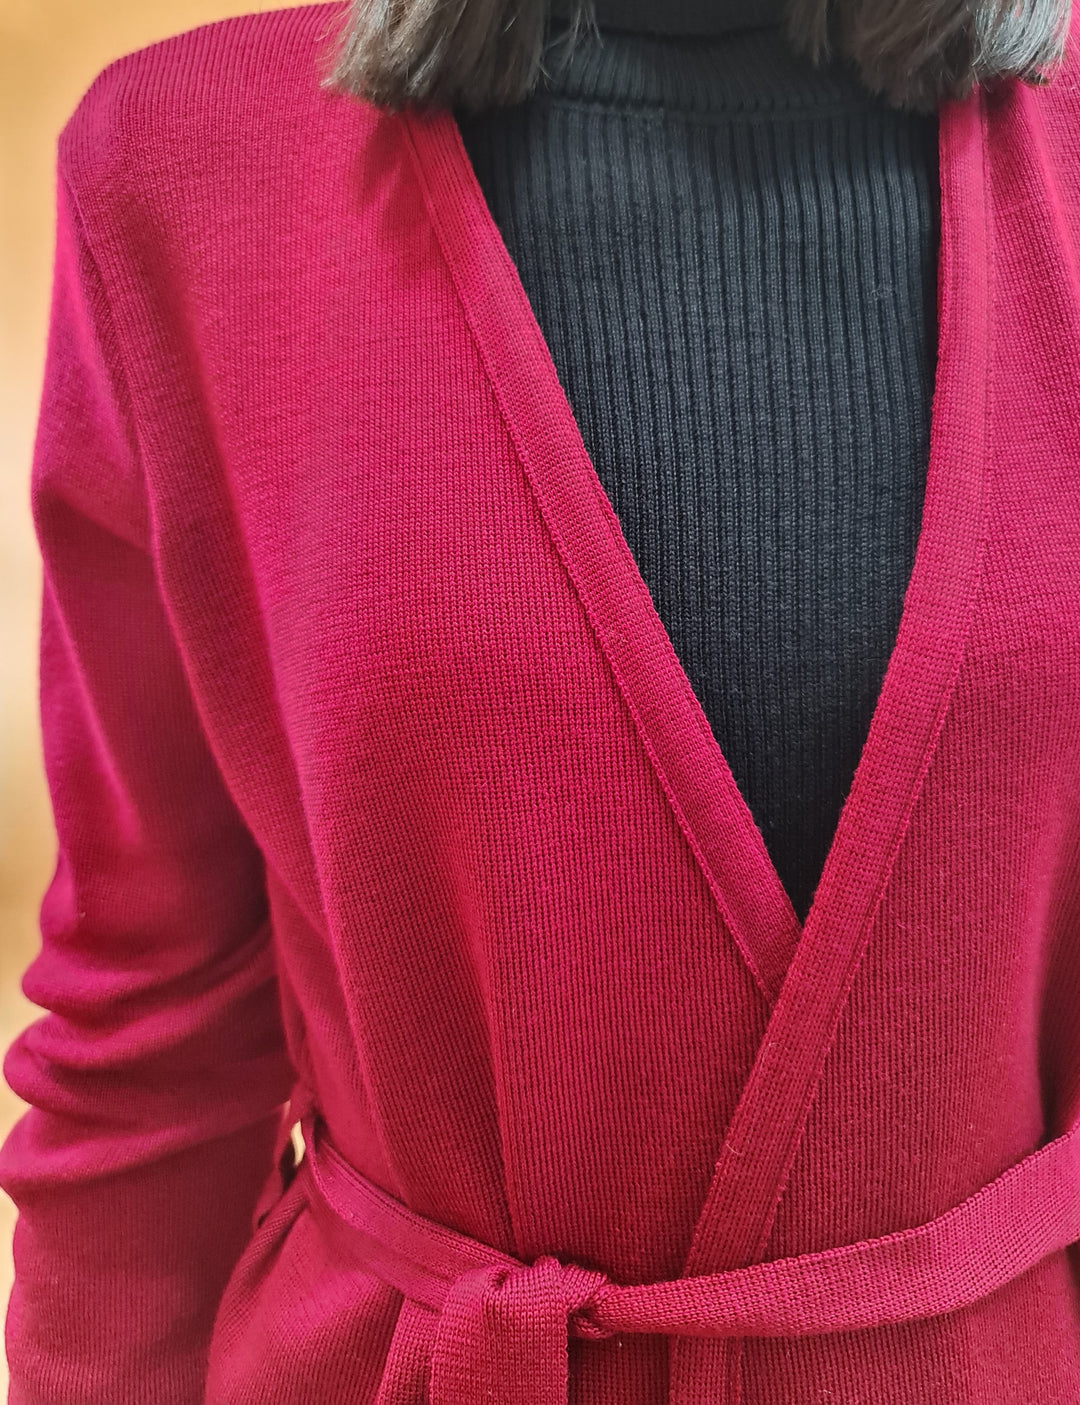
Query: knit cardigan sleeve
<point x="154" y="1079"/>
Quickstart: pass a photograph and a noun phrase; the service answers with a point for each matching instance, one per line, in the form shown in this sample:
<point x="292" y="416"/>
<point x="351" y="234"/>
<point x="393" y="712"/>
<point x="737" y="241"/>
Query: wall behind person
<point x="50" y="51"/>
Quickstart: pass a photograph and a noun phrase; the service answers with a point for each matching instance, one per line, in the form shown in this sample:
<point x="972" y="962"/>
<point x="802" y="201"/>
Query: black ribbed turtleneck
<point x="679" y="17"/>
<point x="733" y="257"/>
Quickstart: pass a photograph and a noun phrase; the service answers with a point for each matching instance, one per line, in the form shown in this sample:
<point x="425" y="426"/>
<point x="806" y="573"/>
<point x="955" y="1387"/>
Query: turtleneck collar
<point x="679" y="17"/>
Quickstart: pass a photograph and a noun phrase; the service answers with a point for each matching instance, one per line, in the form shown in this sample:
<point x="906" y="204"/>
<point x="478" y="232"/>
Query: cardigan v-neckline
<point x="938" y="601"/>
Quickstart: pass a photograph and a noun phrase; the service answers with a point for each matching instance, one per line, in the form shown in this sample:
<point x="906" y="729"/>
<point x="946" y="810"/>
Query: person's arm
<point x="156" y="1077"/>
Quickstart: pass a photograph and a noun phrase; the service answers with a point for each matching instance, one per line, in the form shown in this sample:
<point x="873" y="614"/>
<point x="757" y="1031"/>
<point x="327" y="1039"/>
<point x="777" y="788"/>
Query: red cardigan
<point x="377" y="782"/>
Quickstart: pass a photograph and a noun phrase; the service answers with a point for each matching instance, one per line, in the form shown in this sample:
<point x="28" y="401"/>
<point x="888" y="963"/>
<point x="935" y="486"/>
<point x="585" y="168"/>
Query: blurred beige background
<point x="50" y="50"/>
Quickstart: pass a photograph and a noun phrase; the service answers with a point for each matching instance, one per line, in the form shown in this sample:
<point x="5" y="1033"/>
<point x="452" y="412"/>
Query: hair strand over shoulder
<point x="475" y="54"/>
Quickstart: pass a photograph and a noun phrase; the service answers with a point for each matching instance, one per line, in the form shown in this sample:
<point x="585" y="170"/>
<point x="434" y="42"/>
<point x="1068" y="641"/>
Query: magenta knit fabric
<point x="378" y="785"/>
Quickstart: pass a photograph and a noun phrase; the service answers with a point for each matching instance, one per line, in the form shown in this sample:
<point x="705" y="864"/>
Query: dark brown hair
<point x="475" y="54"/>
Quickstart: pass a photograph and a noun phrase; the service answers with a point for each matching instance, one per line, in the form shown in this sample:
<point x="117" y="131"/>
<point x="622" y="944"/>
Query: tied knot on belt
<point x="502" y="1327"/>
<point x="507" y="1292"/>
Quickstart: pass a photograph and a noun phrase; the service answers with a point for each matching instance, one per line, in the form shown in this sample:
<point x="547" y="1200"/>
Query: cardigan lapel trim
<point x="579" y="516"/>
<point x="761" y="1142"/>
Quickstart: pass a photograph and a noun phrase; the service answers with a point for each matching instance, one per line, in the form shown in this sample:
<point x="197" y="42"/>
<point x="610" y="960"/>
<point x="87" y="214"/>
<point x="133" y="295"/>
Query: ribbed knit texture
<point x="379" y="785"/>
<point x="733" y="258"/>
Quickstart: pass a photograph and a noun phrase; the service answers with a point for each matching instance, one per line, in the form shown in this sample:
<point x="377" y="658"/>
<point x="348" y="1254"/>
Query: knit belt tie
<point x="503" y="1325"/>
